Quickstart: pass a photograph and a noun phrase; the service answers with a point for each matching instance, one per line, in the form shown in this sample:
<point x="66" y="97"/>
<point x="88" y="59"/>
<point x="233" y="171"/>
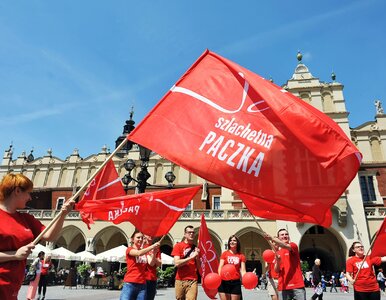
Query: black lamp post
<point x="143" y="175"/>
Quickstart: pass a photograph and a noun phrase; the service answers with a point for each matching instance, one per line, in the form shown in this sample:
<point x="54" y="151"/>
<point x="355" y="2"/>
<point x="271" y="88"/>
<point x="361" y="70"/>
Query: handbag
<point x="31" y="275"/>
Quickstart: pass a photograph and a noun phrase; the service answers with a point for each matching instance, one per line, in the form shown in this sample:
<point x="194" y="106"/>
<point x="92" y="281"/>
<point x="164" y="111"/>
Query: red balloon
<point x="250" y="280"/>
<point x="212" y="281"/>
<point x="211" y="293"/>
<point x="268" y="255"/>
<point x="228" y="272"/>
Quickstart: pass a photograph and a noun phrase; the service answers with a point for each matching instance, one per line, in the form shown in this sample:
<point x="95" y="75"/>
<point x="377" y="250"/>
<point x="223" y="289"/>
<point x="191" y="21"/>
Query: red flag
<point x="208" y="256"/>
<point x="152" y="213"/>
<point x="379" y="247"/>
<point x="251" y="136"/>
<point x="106" y="184"/>
<point x="273" y="211"/>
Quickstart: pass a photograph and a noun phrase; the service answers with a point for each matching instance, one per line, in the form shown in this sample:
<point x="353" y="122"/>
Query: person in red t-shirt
<point x="18" y="231"/>
<point x="231" y="288"/>
<point x="365" y="286"/>
<point x="134" y="286"/>
<point x="186" y="261"/>
<point x="46" y="267"/>
<point x="290" y="283"/>
<point x="153" y="261"/>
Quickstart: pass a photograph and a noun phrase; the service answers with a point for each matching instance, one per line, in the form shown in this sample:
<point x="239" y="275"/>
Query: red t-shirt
<point x="366" y="280"/>
<point x="136" y="268"/>
<point x="46" y="266"/>
<point x="233" y="259"/>
<point x="16" y="230"/>
<point x="189" y="270"/>
<point x="290" y="275"/>
<point x="151" y="271"/>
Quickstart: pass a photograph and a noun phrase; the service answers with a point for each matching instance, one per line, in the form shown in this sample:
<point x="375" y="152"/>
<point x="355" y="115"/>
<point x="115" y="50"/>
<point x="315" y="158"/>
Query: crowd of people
<point x="284" y="278"/>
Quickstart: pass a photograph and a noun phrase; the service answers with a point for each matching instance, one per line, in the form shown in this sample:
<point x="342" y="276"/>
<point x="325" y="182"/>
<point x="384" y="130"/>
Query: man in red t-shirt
<point x="291" y="283"/>
<point x="186" y="261"/>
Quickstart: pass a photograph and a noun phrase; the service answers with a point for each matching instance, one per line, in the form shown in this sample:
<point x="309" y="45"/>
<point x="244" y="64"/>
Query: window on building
<point x="59" y="203"/>
<point x="216" y="202"/>
<point x="367" y="188"/>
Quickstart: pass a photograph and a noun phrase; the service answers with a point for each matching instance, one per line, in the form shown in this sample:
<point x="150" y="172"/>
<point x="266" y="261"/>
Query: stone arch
<point x="39" y="177"/>
<point x="328" y="103"/>
<point x="108" y="238"/>
<point x="92" y="170"/>
<point x="176" y="171"/>
<point x="63" y="177"/>
<point x="306" y="97"/>
<point x="325" y="244"/>
<point x="76" y="177"/>
<point x="72" y="238"/>
<point x="253" y="245"/>
<point x="49" y="178"/>
<point x="167" y="245"/>
<point x="158" y="174"/>
<point x="376" y="149"/>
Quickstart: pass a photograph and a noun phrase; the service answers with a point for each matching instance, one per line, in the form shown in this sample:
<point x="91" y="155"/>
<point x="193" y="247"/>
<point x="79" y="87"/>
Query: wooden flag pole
<point x="262" y="232"/>
<point x="85" y="185"/>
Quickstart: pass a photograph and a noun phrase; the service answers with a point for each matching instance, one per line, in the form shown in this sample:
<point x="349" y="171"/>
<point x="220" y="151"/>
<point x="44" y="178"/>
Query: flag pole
<point x="261" y="231"/>
<point x="85" y="185"/>
<point x="367" y="254"/>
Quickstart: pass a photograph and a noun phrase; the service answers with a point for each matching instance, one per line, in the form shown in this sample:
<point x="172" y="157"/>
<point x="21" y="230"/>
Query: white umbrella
<point x="62" y="253"/>
<point x="37" y="249"/>
<point x="114" y="254"/>
<point x="166" y="259"/>
<point x="86" y="257"/>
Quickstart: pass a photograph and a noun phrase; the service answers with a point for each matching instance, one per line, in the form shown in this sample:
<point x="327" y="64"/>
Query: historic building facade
<point x="356" y="215"/>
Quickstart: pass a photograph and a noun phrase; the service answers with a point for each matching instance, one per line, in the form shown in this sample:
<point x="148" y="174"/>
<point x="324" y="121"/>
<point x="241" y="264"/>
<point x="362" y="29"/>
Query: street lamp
<point x="170" y="177"/>
<point x="143" y="175"/>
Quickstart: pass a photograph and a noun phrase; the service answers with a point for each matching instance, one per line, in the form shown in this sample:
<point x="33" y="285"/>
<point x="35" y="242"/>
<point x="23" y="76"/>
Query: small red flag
<point x="105" y="185"/>
<point x="379" y="246"/>
<point x="207" y="255"/>
<point x="152" y="213"/>
<point x="253" y="137"/>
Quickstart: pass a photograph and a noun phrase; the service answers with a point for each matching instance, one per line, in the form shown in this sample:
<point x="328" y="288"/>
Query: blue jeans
<point x="151" y="289"/>
<point x="133" y="291"/>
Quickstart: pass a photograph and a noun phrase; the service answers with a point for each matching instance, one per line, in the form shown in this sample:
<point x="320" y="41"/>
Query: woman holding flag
<point x="134" y="286"/>
<point x="230" y="289"/>
<point x="18" y="231"/>
<point x="360" y="267"/>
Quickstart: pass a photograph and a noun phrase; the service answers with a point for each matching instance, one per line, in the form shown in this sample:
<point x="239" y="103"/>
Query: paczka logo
<point x="252" y="108"/>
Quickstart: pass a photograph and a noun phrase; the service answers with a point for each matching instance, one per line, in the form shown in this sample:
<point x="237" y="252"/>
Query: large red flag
<point x="208" y="256"/>
<point x="152" y="213"/>
<point x="379" y="246"/>
<point x="252" y="136"/>
<point x="105" y="185"/>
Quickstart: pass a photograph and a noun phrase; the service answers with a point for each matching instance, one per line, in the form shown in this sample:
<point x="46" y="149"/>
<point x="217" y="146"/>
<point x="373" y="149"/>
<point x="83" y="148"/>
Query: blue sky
<point x="71" y="70"/>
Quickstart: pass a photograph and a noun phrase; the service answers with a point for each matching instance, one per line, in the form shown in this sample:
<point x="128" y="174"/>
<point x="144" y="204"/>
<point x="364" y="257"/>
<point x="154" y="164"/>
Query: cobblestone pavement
<point x="58" y="293"/>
